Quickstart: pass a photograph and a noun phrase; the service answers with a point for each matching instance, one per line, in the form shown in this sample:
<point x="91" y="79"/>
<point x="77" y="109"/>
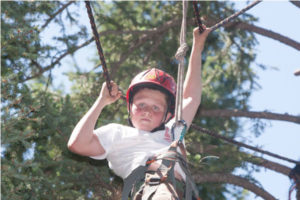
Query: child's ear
<point x="169" y="115"/>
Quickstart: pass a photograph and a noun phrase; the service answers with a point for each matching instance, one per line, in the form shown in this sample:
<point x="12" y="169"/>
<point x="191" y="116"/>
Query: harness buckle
<point x="153" y="181"/>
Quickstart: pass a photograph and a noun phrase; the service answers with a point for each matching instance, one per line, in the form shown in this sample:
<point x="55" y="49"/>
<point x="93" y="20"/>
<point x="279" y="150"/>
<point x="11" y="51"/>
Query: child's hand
<point x="113" y="96"/>
<point x="199" y="39"/>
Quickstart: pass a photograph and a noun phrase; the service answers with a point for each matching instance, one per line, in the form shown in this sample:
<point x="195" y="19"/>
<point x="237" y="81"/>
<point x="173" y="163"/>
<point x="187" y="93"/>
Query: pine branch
<point x="145" y="36"/>
<point x="55" y="14"/>
<point x="250" y="27"/>
<point x="153" y="49"/>
<point x="240" y="144"/>
<point x="249" y="114"/>
<point x="133" y="46"/>
<point x="269" y="33"/>
<point x="235" y="180"/>
<point x="197" y="147"/>
<point x="56" y="62"/>
<point x="143" y="39"/>
<point x="235" y="15"/>
<point x="297" y="72"/>
<point x="296" y="3"/>
<point x="266" y="163"/>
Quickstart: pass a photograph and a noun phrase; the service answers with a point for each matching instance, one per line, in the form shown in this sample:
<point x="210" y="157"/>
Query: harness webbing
<point x="165" y="172"/>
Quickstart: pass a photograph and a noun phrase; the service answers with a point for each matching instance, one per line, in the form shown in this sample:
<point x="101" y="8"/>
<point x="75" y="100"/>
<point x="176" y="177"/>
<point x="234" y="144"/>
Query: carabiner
<point x="182" y="123"/>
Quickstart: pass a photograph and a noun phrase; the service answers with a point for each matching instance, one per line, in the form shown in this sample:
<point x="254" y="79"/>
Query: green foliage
<point x="37" y="121"/>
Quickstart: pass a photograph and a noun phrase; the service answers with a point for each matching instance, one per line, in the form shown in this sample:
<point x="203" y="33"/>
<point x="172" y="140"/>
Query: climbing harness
<point x="164" y="175"/>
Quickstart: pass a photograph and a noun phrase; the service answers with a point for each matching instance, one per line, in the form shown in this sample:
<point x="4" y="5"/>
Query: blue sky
<point x="280" y="90"/>
<point x="279" y="93"/>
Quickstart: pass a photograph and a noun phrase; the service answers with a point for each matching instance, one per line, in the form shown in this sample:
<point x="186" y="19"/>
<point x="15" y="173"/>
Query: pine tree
<point x="37" y="118"/>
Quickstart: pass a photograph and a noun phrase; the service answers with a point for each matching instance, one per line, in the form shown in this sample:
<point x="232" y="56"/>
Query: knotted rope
<point x="180" y="54"/>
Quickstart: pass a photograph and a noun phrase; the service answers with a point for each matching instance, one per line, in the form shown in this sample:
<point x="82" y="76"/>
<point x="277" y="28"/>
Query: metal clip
<point x="176" y="124"/>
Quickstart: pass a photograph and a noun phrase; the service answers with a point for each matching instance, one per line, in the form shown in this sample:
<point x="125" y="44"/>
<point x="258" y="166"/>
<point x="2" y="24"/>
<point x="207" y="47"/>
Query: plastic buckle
<point x="154" y="181"/>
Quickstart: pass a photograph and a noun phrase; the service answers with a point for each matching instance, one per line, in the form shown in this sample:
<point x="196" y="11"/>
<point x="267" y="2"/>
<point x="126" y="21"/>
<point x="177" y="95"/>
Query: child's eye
<point x="141" y="105"/>
<point x="156" y="109"/>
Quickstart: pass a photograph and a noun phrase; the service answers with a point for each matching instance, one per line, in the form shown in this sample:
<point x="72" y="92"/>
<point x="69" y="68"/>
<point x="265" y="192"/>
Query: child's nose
<point x="147" y="110"/>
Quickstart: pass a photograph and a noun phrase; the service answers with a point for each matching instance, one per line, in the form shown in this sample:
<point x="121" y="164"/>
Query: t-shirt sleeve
<point x="106" y="136"/>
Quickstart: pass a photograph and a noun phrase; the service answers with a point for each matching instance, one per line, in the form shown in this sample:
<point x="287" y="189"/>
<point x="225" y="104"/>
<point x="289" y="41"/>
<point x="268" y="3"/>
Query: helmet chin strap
<point x="162" y="124"/>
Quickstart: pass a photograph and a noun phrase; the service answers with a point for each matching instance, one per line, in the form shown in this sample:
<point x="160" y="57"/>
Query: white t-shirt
<point x="127" y="148"/>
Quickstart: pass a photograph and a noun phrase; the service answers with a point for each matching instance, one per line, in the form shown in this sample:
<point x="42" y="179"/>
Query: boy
<point x="150" y="101"/>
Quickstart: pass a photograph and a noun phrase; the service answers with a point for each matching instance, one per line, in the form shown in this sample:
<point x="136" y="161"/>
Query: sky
<point x="279" y="92"/>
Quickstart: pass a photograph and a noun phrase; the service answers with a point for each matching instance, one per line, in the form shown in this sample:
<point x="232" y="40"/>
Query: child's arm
<point x="192" y="88"/>
<point x="83" y="140"/>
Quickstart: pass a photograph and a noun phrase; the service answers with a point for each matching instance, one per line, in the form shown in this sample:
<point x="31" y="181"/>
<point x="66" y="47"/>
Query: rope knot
<point x="181" y="51"/>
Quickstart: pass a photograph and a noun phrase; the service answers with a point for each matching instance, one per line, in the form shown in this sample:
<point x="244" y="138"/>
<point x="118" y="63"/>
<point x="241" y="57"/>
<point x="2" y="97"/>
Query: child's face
<point x="148" y="109"/>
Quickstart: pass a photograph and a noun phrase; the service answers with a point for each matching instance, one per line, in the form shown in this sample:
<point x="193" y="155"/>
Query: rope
<point x="99" y="48"/>
<point x="214" y="134"/>
<point x="180" y="54"/>
<point x="98" y="44"/>
<point x="198" y="20"/>
<point x="225" y="21"/>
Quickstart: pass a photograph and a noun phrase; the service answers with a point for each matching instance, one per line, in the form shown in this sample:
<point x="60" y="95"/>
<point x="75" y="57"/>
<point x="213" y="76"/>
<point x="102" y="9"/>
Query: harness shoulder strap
<point x="136" y="175"/>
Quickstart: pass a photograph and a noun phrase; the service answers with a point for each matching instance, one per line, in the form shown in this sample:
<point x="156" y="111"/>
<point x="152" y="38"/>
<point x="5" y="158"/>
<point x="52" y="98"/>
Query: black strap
<point x="165" y="169"/>
<point x="136" y="175"/>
